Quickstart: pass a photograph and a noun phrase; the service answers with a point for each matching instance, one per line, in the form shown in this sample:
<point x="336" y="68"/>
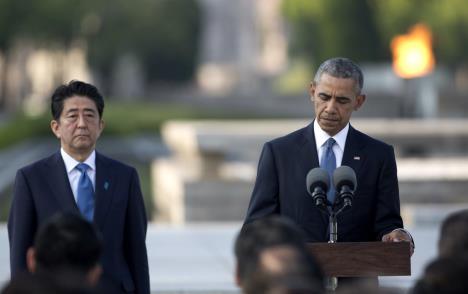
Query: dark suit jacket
<point x="280" y="187"/>
<point x="42" y="189"/>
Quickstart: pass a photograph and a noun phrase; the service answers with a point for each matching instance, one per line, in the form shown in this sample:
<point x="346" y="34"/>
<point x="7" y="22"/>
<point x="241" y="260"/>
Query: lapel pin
<point x="357" y="158"/>
<point x="106" y="186"/>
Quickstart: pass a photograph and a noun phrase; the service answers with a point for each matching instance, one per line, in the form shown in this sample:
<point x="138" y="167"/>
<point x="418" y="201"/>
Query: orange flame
<point x="412" y="53"/>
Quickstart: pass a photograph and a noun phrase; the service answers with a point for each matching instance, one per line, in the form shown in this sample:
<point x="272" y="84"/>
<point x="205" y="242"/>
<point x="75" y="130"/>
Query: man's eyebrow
<point x="85" y="110"/>
<point x="325" y="94"/>
<point x="343" y="98"/>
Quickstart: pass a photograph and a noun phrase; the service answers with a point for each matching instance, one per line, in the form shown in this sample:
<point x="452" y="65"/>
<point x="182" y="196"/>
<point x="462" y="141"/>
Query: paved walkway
<point x="198" y="258"/>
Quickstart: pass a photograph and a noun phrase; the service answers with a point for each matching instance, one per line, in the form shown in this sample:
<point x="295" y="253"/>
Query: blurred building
<point x="243" y="43"/>
<point x="31" y="72"/>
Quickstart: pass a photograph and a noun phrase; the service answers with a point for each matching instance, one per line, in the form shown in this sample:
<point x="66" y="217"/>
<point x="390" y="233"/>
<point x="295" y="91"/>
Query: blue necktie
<point x="328" y="163"/>
<point x="85" y="199"/>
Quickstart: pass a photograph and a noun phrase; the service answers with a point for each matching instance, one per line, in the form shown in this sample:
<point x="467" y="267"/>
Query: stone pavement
<point x="193" y="258"/>
<point x="198" y="258"/>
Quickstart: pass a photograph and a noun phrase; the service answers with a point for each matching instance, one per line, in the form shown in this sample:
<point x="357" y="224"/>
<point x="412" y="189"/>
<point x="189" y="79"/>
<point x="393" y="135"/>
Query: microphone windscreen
<point x="317" y="177"/>
<point x="344" y="175"/>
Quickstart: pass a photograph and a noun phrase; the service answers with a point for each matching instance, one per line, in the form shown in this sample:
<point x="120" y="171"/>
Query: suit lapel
<point x="352" y="155"/>
<point x="308" y="149"/>
<point x="309" y="156"/>
<point x="103" y="189"/>
<point x="60" y="184"/>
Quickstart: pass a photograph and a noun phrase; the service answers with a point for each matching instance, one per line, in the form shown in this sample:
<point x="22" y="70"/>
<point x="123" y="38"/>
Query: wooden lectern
<point x="363" y="259"/>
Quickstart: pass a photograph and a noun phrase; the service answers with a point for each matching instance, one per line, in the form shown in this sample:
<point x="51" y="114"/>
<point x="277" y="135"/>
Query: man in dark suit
<point x="78" y="179"/>
<point x="284" y="163"/>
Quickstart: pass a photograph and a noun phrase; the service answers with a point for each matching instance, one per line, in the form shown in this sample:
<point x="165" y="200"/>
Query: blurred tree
<point x="42" y="21"/>
<point x="162" y="34"/>
<point x="326" y="28"/>
<point x="447" y="19"/>
<point x="363" y="29"/>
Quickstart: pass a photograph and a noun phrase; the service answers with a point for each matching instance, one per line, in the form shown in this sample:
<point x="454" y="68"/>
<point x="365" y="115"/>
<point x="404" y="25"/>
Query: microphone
<point x="345" y="182"/>
<point x="318" y="182"/>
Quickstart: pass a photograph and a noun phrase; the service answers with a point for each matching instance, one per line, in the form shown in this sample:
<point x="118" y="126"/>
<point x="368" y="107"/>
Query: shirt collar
<point x="321" y="136"/>
<point x="71" y="163"/>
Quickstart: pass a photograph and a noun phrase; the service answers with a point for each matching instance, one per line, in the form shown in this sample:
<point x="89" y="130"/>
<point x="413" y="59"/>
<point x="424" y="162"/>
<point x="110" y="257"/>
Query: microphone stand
<point x="333" y="212"/>
<point x="332" y="282"/>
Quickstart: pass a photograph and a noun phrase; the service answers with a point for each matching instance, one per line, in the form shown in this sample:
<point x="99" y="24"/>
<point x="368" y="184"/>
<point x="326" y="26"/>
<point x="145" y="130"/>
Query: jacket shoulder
<point x="38" y="165"/>
<point x="371" y="142"/>
<point x="113" y="163"/>
<point x="294" y="137"/>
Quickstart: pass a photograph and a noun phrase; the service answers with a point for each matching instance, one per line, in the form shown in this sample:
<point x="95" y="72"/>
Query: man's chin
<point x="329" y="123"/>
<point x="331" y="127"/>
<point x="83" y="148"/>
<point x="82" y="141"/>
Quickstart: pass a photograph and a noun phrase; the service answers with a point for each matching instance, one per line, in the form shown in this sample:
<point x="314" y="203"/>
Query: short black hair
<point x="67" y="241"/>
<point x="75" y="88"/>
<point x="341" y="67"/>
<point x="266" y="233"/>
<point x="454" y="234"/>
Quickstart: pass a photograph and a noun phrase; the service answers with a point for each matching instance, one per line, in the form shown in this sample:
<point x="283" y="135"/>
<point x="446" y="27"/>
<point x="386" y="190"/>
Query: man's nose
<point x="81" y="120"/>
<point x="331" y="105"/>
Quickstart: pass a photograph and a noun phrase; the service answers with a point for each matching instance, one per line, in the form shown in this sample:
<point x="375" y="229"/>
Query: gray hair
<point x="341" y="67"/>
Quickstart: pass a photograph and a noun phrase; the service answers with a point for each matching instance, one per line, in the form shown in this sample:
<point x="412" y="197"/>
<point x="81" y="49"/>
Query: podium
<point x="363" y="259"/>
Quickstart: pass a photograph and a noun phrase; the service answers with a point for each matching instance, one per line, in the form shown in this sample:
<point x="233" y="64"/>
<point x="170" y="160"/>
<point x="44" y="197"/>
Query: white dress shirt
<point x="74" y="174"/>
<point x="321" y="138"/>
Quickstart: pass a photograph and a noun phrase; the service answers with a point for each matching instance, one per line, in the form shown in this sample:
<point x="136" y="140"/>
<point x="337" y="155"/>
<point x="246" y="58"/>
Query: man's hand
<point x="399" y="236"/>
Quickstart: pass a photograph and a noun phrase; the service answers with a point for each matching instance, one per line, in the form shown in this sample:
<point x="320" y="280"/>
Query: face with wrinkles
<point x="334" y="100"/>
<point x="78" y="127"/>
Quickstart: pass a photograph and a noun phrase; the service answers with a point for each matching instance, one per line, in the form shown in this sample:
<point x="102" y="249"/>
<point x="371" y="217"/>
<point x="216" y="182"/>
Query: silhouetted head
<point x="66" y="243"/>
<point x="270" y="248"/>
<point x="453" y="238"/>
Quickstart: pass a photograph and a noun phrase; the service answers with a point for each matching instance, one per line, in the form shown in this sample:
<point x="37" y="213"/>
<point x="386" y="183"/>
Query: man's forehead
<point x="331" y="83"/>
<point x="327" y="78"/>
<point x="79" y="102"/>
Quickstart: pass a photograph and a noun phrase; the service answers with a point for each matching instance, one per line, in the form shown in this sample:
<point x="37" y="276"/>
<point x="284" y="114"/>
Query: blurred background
<point x="194" y="88"/>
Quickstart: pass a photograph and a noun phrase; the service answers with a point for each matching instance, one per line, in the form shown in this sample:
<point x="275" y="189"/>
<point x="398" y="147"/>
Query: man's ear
<point x="101" y="127"/>
<point x="94" y="274"/>
<point x="360" y="99"/>
<point x="31" y="259"/>
<point x="55" y="127"/>
<point x="312" y="88"/>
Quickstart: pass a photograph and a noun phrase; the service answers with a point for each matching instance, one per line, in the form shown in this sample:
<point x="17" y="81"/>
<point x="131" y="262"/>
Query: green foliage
<point x="22" y="127"/>
<point x="42" y="21"/>
<point x="129" y="118"/>
<point x="162" y="34"/>
<point x="363" y="29"/>
<point x="295" y="80"/>
<point x="327" y="28"/>
<point x="447" y="19"/>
